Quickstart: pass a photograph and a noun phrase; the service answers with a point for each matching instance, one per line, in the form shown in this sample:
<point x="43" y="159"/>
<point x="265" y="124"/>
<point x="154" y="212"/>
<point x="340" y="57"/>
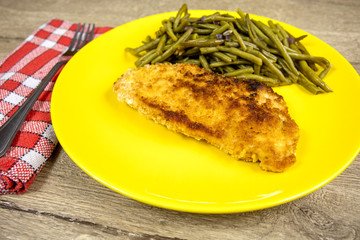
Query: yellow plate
<point x="142" y="160"/>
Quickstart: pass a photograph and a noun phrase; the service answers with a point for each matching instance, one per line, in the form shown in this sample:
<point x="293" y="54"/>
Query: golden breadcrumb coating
<point x="244" y="118"/>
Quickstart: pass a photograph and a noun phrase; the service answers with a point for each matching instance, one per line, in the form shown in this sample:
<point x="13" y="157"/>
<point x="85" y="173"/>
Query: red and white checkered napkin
<point x="20" y="73"/>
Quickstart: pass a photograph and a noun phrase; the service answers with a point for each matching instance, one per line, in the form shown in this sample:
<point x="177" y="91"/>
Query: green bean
<point x="221" y="29"/>
<point x="284" y="35"/>
<point x="242" y="54"/>
<point x="309" y="86"/>
<point x="235" y="46"/>
<point x="303" y="50"/>
<point x="169" y="31"/>
<point x="238" y="24"/>
<point x="272" y="26"/>
<point x="172" y="49"/>
<point x="289" y="50"/>
<point x="207" y="50"/>
<point x="257" y="69"/>
<point x="271" y="66"/>
<point x="324" y="72"/>
<point x="231" y="44"/>
<point x="228" y="69"/>
<point x="241" y="14"/>
<point x="202" y="31"/>
<point x="160" y="32"/>
<point x="232" y="56"/>
<point x="211" y="18"/>
<point x="147" y="39"/>
<point x="161" y="44"/>
<point x="271" y="50"/>
<point x="268" y="81"/>
<point x="269" y="55"/>
<point x="222" y="56"/>
<point x="285" y="67"/>
<point x="146" y="55"/>
<point x="183" y="23"/>
<point x="202" y="43"/>
<point x="244" y="26"/>
<point x="218" y="17"/>
<point x="319" y="60"/>
<point x="311" y="75"/>
<point x="265" y="71"/>
<point x="261" y="34"/>
<point x="169" y="41"/>
<point x="179" y="52"/>
<point x="253" y="36"/>
<point x="206" y="25"/>
<point x="213" y="58"/>
<point x="283" y="40"/>
<point x="236" y="63"/>
<point x="194" y="36"/>
<point x="280" y="47"/>
<point x="277" y="65"/>
<point x="251" y="45"/>
<point x="204" y="62"/>
<point x="238" y="37"/>
<point x="192" y="51"/>
<point x="193" y="20"/>
<point x="240" y="72"/>
<point x="144" y="47"/>
<point x="191" y="61"/>
<point x="132" y="51"/>
<point x="146" y="58"/>
<point x="182" y="10"/>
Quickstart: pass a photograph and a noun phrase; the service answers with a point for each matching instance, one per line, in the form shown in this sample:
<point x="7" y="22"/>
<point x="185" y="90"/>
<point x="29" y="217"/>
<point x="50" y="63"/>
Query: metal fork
<point x="83" y="34"/>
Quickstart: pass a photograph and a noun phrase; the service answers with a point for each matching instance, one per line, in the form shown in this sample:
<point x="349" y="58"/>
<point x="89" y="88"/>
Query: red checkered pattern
<point x="20" y="74"/>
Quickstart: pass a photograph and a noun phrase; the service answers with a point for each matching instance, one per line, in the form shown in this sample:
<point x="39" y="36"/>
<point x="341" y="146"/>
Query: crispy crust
<point x="244" y="118"/>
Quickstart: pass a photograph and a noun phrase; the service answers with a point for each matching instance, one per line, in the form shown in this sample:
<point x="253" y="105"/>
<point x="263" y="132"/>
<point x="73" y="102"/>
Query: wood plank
<point x="86" y="204"/>
<point x="65" y="203"/>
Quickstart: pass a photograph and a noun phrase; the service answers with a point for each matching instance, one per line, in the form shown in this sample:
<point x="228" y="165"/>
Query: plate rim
<point x="228" y="210"/>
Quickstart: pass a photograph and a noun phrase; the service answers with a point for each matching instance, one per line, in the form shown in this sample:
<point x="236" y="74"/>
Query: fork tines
<point x="83" y="34"/>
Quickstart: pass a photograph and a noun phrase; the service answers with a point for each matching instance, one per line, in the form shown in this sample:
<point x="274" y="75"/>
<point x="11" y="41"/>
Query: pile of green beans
<point x="236" y="47"/>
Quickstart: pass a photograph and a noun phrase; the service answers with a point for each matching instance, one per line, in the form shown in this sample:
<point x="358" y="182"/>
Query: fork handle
<point x="10" y="128"/>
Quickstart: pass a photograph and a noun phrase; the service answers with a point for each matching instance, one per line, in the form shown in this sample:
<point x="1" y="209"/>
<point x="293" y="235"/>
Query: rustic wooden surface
<point x="65" y="203"/>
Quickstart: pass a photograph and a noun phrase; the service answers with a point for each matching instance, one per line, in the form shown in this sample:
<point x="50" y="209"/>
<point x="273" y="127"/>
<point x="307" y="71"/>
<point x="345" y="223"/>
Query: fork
<point x="83" y="34"/>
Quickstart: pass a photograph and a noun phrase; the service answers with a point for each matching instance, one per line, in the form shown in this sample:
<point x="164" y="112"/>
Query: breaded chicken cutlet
<point x="244" y="118"/>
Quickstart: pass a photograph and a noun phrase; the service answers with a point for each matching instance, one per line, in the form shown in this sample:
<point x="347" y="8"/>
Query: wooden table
<point x="65" y="203"/>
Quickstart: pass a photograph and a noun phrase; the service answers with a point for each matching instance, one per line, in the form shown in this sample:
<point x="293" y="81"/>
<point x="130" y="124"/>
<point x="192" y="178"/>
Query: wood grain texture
<point x="65" y="203"/>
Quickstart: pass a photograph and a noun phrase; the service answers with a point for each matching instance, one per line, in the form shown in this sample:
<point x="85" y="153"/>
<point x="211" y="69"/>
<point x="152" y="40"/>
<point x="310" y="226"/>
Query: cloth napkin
<point x="20" y="73"/>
